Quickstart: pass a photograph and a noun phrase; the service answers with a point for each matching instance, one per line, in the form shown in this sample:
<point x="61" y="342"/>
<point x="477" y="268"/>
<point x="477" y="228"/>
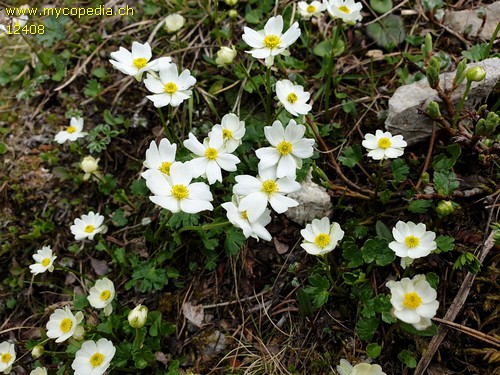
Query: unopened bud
<point x="433" y="110"/>
<point x="425" y="178"/>
<point x="37" y="351"/>
<point x="174" y="22"/>
<point x="445" y="208"/>
<point x="233" y="14"/>
<point x="231" y="2"/>
<point x="432" y="71"/>
<point x="79" y="334"/>
<point x="138" y="316"/>
<point x="475" y="74"/>
<point x="225" y="55"/>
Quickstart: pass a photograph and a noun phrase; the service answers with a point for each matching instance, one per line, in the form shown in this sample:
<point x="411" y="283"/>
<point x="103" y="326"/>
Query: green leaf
<point x="139" y="188"/>
<point x="407" y="358"/>
<point x="373" y="350"/>
<point x="53" y="30"/>
<point x="469" y="261"/>
<point x="432" y="5"/>
<point x="381" y="6"/>
<point x="445" y="182"/>
<point x="444" y="244"/>
<point x="419" y="206"/>
<point x="477" y="52"/>
<point x="377" y="250"/>
<point x="119" y="218"/>
<point x="366" y="327"/>
<point x="400" y="171"/>
<point x="432" y="279"/>
<point x="429" y="331"/>
<point x="3" y="148"/>
<point x="182" y="219"/>
<point x="383" y="231"/>
<point x="81" y="301"/>
<point x="305" y="308"/>
<point x="385" y="196"/>
<point x="235" y="240"/>
<point x="351" y="156"/>
<point x="324" y="48"/>
<point x="388" y="32"/>
<point x="352" y="253"/>
<point x="92" y="89"/>
<point x="320" y="282"/>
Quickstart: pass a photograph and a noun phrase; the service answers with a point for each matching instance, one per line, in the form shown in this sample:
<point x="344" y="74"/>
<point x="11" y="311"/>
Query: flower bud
<point x="89" y="164"/>
<point x="433" y="110"/>
<point x="432" y="71"/>
<point x="475" y="74"/>
<point x="79" y="334"/>
<point x="231" y="2"/>
<point x="445" y="208"/>
<point x="37" y="351"/>
<point x="425" y="178"/>
<point x="138" y="316"/>
<point x="174" y="22"/>
<point x="233" y="14"/>
<point x="225" y="55"/>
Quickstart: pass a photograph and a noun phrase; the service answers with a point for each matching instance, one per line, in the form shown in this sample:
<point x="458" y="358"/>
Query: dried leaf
<point x="193" y="313"/>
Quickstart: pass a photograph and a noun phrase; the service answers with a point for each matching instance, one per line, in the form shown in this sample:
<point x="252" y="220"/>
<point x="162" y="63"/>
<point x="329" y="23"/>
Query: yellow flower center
<point x="412" y="242"/>
<point x="6" y="357"/>
<point x="227" y="134"/>
<point x="322" y="240"/>
<point x="165" y="167"/>
<point x="66" y="325"/>
<point x="89" y="229"/>
<point x="170" y="88"/>
<point x="344" y="9"/>
<point x="284" y="147"/>
<point x="211" y="153"/>
<point x="71" y="129"/>
<point x="96" y="359"/>
<point x="292" y="97"/>
<point x="45" y="262"/>
<point x="104" y="295"/>
<point x="269" y="187"/>
<point x="384" y="143"/>
<point x="272" y="41"/>
<point x="180" y="192"/>
<point x="412" y="300"/>
<point x="140" y="62"/>
<point x="311" y="9"/>
<point x="244" y="215"/>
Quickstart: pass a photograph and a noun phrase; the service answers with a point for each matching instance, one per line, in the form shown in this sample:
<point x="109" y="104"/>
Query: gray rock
<point x="404" y="118"/>
<point x="460" y="20"/>
<point x="314" y="202"/>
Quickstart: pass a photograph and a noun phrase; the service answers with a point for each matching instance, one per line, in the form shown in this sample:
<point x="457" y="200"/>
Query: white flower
<point x="37" y="351"/>
<point x="160" y="157"/>
<point x="174" y="22"/>
<point x="39" y="371"/>
<point x="239" y="219"/>
<point x="225" y="55"/>
<point x="102" y="294"/>
<point x="347" y="10"/>
<point x="412" y="241"/>
<point x="232" y="129"/>
<point x="135" y="63"/>
<point x="177" y="193"/>
<point x="293" y="97"/>
<point x="138" y="316"/>
<point x="257" y="191"/>
<point x="62" y="324"/>
<point x="44" y="259"/>
<point x="72" y="132"/>
<point x="171" y="88"/>
<point x="88" y="226"/>
<point x="93" y="358"/>
<point x="270" y="42"/>
<point x="212" y="157"/>
<point x="288" y="148"/>
<point x="320" y="237"/>
<point x="345" y="368"/>
<point x="314" y="9"/>
<point x="7" y="356"/>
<point x="383" y="145"/>
<point x="414" y="301"/>
<point x="89" y="165"/>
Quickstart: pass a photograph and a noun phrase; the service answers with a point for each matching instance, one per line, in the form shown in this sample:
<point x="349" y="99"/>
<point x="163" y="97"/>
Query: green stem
<point x="324" y="258"/>
<point x="269" y="95"/>
<point x="255" y="86"/>
<point x="492" y="39"/>
<point x="35" y="52"/>
<point x="460" y="105"/>
<point x="204" y="227"/>
<point x="62" y="268"/>
<point x="329" y="73"/>
<point x="164" y="124"/>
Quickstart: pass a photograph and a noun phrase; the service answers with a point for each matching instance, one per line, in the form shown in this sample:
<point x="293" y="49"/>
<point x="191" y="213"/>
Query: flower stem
<point x="269" y="95"/>
<point x="329" y="72"/>
<point x="165" y="127"/>
<point x="460" y="105"/>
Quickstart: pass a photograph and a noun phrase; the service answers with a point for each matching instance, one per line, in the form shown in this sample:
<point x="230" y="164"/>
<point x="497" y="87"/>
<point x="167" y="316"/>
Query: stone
<point x="460" y="20"/>
<point x="404" y="105"/>
<point x="314" y="202"/>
